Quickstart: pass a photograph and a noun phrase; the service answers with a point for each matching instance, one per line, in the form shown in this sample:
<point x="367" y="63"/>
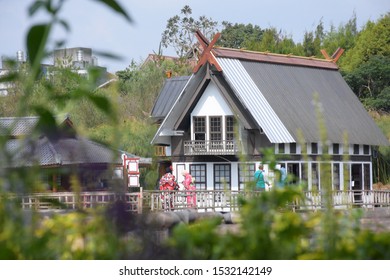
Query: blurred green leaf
<point x="36" y="41"/>
<point x="64" y="24"/>
<point x="47" y="124"/>
<point x="102" y="103"/>
<point x="116" y="7"/>
<point x="36" y="6"/>
<point x="107" y="55"/>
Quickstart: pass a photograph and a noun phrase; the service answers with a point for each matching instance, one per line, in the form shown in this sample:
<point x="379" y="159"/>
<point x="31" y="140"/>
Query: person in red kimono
<point x="167" y="183"/>
<point x="189" y="186"/>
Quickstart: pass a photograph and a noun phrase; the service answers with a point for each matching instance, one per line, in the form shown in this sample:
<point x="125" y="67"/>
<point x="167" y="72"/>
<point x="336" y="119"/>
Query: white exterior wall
<point x="211" y="103"/>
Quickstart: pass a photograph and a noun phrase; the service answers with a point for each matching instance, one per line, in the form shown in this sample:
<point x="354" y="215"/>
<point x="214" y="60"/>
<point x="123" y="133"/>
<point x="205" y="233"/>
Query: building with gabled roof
<point x="240" y="102"/>
<point x="59" y="153"/>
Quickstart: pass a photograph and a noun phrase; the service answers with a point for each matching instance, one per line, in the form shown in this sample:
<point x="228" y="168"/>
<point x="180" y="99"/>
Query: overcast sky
<point x="94" y="26"/>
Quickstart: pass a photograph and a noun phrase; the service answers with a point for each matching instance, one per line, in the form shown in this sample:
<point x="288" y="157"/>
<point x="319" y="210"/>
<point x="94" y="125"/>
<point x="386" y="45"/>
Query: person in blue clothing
<point x="283" y="176"/>
<point x="260" y="179"/>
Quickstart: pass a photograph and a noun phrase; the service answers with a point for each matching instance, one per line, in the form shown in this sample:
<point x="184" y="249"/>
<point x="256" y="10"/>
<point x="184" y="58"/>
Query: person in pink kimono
<point x="189" y="186"/>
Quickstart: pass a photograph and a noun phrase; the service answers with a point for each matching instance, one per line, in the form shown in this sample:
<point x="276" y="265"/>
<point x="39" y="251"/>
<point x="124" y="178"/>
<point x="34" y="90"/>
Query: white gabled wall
<point x="211" y="103"/>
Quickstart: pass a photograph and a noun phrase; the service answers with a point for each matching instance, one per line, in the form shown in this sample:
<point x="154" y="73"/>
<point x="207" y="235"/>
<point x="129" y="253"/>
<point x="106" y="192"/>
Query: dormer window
<point x="229" y="128"/>
<point x="200" y="128"/>
<point x="216" y="129"/>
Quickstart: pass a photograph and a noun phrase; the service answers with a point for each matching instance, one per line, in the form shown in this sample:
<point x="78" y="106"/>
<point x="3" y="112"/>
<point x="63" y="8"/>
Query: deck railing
<point x="71" y="200"/>
<point x="201" y="200"/>
<point x="203" y="147"/>
<point x="342" y="199"/>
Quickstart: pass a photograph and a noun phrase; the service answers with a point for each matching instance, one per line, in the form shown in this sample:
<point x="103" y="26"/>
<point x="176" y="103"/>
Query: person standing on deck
<point x="167" y="183"/>
<point x="260" y="179"/>
<point x="189" y="186"/>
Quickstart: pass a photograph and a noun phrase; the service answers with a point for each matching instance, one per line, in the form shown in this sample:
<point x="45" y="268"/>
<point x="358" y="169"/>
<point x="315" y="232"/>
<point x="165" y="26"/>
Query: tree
<point x="180" y="32"/>
<point x="343" y="37"/>
<point x="372" y="40"/>
<point x="239" y="35"/>
<point x="366" y="65"/>
<point x="370" y="82"/>
<point x="312" y="41"/>
<point x="274" y="41"/>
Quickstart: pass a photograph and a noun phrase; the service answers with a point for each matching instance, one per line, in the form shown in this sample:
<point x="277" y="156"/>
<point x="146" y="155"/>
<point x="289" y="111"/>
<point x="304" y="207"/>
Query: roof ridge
<point x="274" y="54"/>
<point x="267" y="57"/>
<point x="14" y="118"/>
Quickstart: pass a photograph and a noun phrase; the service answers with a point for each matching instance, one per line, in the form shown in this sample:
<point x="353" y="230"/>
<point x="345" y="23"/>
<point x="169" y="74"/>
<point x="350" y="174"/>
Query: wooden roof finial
<point x="207" y="55"/>
<point x="335" y="56"/>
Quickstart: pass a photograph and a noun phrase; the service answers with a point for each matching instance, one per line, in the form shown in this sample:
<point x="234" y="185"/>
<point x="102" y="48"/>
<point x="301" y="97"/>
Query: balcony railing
<point x="202" y="147"/>
<point x="205" y="200"/>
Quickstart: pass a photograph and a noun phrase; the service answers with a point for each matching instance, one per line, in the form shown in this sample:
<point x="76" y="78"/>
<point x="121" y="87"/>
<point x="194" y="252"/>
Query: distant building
<point x="79" y="59"/>
<point x="9" y="65"/>
<point x="60" y="154"/>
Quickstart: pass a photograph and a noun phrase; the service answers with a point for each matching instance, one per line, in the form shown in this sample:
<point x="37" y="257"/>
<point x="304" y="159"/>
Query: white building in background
<point x="79" y="59"/>
<point x="7" y="67"/>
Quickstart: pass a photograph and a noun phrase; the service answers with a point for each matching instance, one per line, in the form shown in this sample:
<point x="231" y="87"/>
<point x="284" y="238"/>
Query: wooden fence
<point x="227" y="201"/>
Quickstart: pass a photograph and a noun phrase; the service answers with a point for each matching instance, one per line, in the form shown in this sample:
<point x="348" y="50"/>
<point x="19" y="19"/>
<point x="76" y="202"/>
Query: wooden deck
<point x="206" y="201"/>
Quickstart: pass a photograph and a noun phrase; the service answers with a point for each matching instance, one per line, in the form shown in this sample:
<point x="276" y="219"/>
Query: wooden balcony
<point x="201" y="147"/>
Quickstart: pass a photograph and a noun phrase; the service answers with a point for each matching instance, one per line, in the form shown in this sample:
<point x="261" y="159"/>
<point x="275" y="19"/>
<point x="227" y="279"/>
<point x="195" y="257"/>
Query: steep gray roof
<point x="282" y="99"/>
<point x="21" y="126"/>
<point x="68" y="151"/>
<point x="23" y="149"/>
<point x="17" y="126"/>
<point x="167" y="96"/>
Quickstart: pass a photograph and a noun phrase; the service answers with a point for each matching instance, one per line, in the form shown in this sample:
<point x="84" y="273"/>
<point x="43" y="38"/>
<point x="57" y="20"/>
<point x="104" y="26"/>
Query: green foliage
<point x="137" y="93"/>
<point x="343" y="37"/>
<point x="26" y="235"/>
<point x="371" y="84"/>
<point x="180" y="32"/>
<point x="273" y="41"/>
<point x="238" y="36"/>
<point x="381" y="165"/>
<point x="134" y="136"/>
<point x="371" y="41"/>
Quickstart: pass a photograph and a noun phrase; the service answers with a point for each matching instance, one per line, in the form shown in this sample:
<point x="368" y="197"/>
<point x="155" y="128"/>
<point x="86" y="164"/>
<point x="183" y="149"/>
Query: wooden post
<point x="54" y="183"/>
<point x="140" y="203"/>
